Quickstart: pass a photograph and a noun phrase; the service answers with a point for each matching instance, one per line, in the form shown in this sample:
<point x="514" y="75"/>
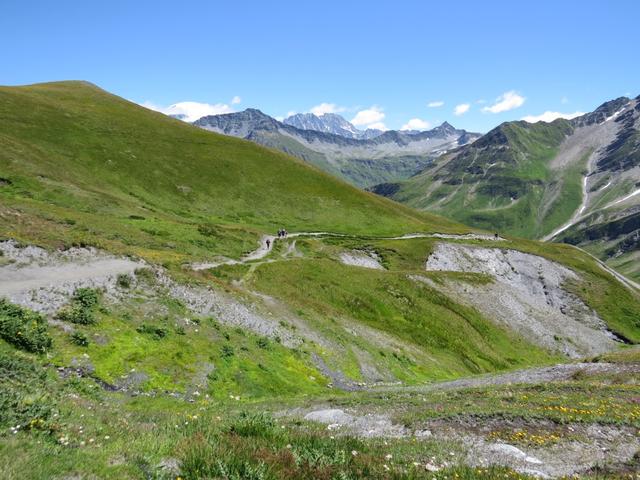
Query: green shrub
<point x="227" y="351"/>
<point x="76" y="313"/>
<point x="80" y="339"/>
<point x="124" y="280"/>
<point x="153" y="330"/>
<point x="23" y="328"/>
<point x="262" y="342"/>
<point x="86" y="297"/>
<point x="208" y="230"/>
<point x="82" y="308"/>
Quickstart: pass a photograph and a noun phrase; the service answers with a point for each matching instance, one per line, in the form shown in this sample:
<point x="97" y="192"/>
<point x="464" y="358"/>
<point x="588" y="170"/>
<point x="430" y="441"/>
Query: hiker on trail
<point x="268" y="243"/>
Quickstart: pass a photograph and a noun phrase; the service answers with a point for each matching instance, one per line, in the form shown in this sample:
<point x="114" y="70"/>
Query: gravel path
<point x="538" y="375"/>
<point x="44" y="281"/>
<point x="265" y="248"/>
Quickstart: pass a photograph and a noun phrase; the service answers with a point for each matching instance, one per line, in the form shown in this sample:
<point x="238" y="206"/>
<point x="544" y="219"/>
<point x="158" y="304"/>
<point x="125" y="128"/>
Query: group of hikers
<point x="282" y="233"/>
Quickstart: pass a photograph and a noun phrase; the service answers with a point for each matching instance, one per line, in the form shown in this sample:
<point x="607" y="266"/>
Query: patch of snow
<point x="615" y="114"/>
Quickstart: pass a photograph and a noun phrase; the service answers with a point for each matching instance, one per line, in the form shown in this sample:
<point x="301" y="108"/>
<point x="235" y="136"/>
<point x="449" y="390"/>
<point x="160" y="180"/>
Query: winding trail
<point x="268" y="241"/>
<point x="630" y="284"/>
<point x="535" y="375"/>
<point x="263" y="250"/>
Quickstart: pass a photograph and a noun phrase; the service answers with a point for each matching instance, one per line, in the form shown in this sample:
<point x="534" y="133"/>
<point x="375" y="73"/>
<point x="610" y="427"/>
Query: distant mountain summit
<point x="328" y="123"/>
<point x="362" y="158"/>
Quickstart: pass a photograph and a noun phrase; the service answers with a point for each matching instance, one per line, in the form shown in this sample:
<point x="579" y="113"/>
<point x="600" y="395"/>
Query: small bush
<point x="227" y="351"/>
<point x="208" y="230"/>
<point x="262" y="342"/>
<point x="23" y="328"/>
<point x="76" y="313"/>
<point x="123" y="280"/>
<point x="82" y="308"/>
<point x="153" y="330"/>
<point x="86" y="297"/>
<point x="79" y="338"/>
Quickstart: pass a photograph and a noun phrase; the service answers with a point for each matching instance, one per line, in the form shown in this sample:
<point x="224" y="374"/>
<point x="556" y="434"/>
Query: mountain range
<point x="575" y="181"/>
<point x="330" y="123"/>
<point x="334" y="145"/>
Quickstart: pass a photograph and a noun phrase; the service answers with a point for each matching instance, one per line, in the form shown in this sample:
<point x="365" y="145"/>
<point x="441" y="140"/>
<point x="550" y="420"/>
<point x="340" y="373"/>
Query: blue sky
<point x="376" y="62"/>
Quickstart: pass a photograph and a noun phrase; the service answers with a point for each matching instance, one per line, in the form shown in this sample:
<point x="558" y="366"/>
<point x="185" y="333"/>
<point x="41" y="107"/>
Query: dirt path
<point x="630" y="284"/>
<point x="267" y="243"/>
<point x="43" y="281"/>
<point x="15" y="280"/>
<point x="536" y="375"/>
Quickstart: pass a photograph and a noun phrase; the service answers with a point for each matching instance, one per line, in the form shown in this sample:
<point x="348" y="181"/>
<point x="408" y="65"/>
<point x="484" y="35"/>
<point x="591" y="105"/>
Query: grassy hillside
<point x="120" y="381"/>
<point x="78" y="164"/>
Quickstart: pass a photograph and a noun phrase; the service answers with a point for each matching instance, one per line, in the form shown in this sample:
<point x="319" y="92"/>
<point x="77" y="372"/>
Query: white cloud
<point x="378" y="126"/>
<point x="236" y="100"/>
<point x="550" y="116"/>
<point x="505" y="102"/>
<point x="290" y="113"/>
<point x="416" y="124"/>
<point x="461" y="109"/>
<point x="326" y="108"/>
<point x="435" y="104"/>
<point x="191" y="111"/>
<point x="368" y="117"/>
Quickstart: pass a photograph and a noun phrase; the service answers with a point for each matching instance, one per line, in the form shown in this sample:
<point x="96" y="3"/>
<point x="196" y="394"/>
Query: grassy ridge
<point x="81" y="163"/>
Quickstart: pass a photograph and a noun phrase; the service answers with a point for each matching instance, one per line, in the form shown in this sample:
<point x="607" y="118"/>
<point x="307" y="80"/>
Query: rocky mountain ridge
<point x="392" y="155"/>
